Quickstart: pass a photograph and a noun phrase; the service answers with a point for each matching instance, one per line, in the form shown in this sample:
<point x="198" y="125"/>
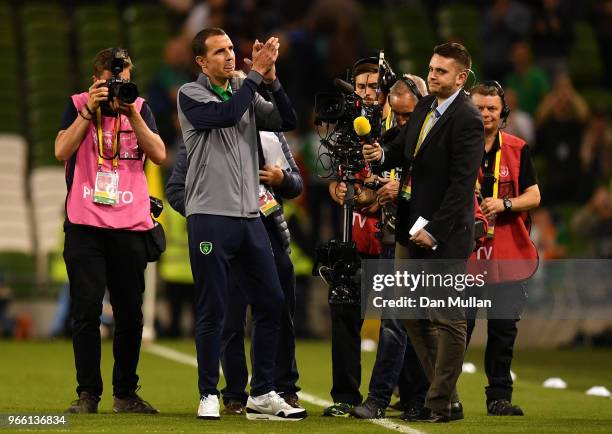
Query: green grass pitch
<point x="38" y="378"/>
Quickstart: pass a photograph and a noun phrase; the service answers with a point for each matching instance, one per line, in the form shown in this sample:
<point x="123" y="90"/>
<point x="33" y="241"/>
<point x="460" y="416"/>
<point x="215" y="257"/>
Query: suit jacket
<point x="443" y="175"/>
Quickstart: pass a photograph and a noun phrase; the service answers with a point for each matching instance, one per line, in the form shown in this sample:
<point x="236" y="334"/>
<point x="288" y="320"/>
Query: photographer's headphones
<point x="364" y="61"/>
<point x="386" y="77"/>
<point x="412" y="86"/>
<point x="505" y="112"/>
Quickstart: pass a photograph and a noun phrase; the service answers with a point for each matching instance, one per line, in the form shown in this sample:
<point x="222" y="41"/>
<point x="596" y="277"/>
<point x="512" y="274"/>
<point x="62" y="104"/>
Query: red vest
<point x="512" y="254"/>
<point x="364" y="228"/>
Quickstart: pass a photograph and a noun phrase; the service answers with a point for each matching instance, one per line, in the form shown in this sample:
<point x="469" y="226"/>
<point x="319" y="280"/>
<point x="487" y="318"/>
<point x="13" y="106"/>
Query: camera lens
<point x="127" y="92"/>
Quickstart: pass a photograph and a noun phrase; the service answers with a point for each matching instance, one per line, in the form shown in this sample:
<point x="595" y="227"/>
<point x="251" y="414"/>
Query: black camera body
<point x="124" y="90"/>
<point x="343" y="144"/>
<point x="157" y="206"/>
<point x="339" y="264"/>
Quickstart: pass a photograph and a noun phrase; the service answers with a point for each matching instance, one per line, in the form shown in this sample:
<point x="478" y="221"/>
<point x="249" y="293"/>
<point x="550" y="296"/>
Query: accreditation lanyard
<point x="389" y="121"/>
<point x="106" y="190"/>
<point x="491" y="228"/>
<point x="101" y="144"/>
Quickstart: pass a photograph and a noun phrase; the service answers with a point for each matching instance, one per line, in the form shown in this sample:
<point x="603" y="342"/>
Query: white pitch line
<point x="177" y="356"/>
<point x="386" y="423"/>
<point x="169" y="353"/>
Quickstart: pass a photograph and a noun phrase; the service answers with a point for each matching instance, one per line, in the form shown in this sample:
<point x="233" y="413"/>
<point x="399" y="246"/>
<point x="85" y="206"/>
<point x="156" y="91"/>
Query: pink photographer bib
<point x="132" y="209"/>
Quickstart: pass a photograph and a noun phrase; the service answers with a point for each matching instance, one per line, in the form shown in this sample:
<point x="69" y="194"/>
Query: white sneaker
<point x="209" y="407"/>
<point x="272" y="407"/>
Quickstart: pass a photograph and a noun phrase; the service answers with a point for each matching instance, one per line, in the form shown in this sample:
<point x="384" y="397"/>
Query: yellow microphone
<point x="362" y="127"/>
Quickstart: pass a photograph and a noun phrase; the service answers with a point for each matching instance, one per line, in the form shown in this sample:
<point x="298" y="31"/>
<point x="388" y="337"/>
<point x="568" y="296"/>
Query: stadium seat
<point x="584" y="62"/>
<point x="48" y="192"/>
<point x="10" y="119"/>
<point x="97" y="27"/>
<point x="47" y="64"/>
<point x="14" y="149"/>
<point x="147" y="33"/>
<point x="461" y="23"/>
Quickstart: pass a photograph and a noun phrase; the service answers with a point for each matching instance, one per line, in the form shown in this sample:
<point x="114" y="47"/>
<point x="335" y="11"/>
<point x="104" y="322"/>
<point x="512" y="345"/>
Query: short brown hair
<point x="455" y="51"/>
<point x="198" y="44"/>
<point x="102" y="62"/>
<point x="363" y="68"/>
<point x="486" y="89"/>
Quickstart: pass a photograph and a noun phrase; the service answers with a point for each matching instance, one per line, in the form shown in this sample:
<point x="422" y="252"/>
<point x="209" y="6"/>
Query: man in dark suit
<point x="440" y="151"/>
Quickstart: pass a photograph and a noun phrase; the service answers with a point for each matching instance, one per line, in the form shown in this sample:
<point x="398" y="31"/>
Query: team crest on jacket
<point x="206" y="247"/>
<point x="503" y="171"/>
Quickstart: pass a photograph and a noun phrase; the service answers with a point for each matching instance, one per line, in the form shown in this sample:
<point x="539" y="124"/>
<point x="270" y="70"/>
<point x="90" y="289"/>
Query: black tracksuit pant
<point x="218" y="246"/>
<point x="233" y="358"/>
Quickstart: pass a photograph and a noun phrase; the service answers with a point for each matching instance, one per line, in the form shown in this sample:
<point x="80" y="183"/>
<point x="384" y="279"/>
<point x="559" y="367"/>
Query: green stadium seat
<point x="461" y="23"/>
<point x="144" y="13"/>
<point x="99" y="12"/>
<point x="43" y="153"/>
<point x="585" y="62"/>
<point x="33" y="10"/>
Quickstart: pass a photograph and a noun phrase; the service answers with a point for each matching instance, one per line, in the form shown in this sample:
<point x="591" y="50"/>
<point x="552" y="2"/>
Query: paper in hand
<point x="273" y="151"/>
<point x="419" y="224"/>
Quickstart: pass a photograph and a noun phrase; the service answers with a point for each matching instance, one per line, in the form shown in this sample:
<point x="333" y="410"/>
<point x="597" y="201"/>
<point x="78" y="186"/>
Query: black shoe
<point x="414" y="413"/>
<point x="399" y="406"/>
<point x="233" y="408"/>
<point x="338" y="409"/>
<point x="87" y="403"/>
<point x="292" y="399"/>
<point x="133" y="404"/>
<point x="432" y="416"/>
<point x="456" y="411"/>
<point x="368" y="410"/>
<point x="503" y="407"/>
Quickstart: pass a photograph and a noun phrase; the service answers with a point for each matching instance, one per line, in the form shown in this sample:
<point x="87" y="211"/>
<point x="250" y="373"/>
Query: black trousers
<point x="234" y="244"/>
<point x="346" y="325"/>
<point x="233" y="358"/>
<point x="501" y="335"/>
<point x="96" y="260"/>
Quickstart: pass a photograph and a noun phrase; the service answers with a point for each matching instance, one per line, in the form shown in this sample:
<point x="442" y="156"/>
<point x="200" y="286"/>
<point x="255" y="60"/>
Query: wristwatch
<point x="507" y="204"/>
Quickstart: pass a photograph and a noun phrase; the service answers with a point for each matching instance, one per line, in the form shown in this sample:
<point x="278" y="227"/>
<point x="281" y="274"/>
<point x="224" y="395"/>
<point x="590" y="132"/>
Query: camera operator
<point x="346" y="318"/>
<point x="508" y="184"/>
<point x="105" y="136"/>
<point x="396" y="361"/>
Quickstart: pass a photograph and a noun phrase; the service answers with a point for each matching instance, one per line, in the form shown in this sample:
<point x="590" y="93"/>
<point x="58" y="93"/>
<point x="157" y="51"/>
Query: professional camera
<point x="339" y="110"/>
<point x="124" y="90"/>
<point x="339" y="264"/>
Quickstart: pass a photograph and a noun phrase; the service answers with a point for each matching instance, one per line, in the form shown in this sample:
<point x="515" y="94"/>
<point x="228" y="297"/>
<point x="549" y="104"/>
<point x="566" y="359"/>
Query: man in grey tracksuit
<point x="219" y="117"/>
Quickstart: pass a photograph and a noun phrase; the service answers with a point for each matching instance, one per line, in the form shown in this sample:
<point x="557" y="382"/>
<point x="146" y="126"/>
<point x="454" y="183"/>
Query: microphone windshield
<point x="343" y="86"/>
<point x="361" y="125"/>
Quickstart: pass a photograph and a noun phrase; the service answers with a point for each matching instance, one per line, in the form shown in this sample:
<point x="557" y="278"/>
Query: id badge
<point x="107" y="188"/>
<point x="267" y="203"/>
<point x="406" y="192"/>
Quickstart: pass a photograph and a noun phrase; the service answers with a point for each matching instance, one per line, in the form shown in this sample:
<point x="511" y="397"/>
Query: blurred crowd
<point x="525" y="45"/>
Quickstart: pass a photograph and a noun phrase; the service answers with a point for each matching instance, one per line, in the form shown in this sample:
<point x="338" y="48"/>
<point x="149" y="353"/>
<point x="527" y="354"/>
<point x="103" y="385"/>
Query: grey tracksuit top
<point x="221" y="142"/>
